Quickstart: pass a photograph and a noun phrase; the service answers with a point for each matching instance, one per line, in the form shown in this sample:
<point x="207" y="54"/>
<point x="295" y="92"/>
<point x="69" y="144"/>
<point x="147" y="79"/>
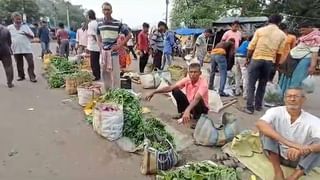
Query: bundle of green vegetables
<point x="155" y="131"/>
<point x="135" y="128"/>
<point x="63" y="65"/>
<point x="199" y="171"/>
<point x="56" y="80"/>
<point x="60" y="67"/>
<point x="83" y="76"/>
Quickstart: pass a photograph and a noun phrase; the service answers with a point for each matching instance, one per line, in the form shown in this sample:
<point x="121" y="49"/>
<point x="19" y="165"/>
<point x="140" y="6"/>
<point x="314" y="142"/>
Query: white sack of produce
<point x="87" y="92"/>
<point x="108" y="120"/>
<point x="150" y="81"/>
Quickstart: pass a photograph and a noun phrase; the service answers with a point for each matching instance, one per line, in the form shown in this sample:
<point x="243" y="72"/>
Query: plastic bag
<point x="273" y="95"/>
<point x="215" y="103"/>
<point x="308" y="84"/>
<point x="108" y="120"/>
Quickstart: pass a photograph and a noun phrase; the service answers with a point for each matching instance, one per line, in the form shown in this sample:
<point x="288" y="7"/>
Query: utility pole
<point x="167" y="10"/>
<point x="68" y="16"/>
<point x="24" y="16"/>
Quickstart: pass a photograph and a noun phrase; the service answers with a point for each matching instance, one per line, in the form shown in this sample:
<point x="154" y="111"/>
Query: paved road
<point x="51" y="141"/>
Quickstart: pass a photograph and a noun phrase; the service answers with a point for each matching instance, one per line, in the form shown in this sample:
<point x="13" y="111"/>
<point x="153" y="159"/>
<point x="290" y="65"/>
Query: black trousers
<point x="95" y="64"/>
<point x="7" y="65"/>
<point x="132" y="51"/>
<point x="183" y="103"/>
<point x="157" y="59"/>
<point x="143" y="61"/>
<point x="20" y="64"/>
<point x="273" y="72"/>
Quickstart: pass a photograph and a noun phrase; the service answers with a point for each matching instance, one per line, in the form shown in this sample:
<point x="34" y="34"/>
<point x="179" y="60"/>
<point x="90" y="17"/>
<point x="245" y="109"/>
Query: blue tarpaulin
<point x="189" y="31"/>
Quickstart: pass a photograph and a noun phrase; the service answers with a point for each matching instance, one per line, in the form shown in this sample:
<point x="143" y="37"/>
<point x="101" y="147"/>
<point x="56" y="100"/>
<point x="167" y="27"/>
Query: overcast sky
<point x="131" y="12"/>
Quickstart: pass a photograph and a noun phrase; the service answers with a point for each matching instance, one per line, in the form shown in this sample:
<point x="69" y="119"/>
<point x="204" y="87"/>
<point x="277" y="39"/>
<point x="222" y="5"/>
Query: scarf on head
<point x="312" y="39"/>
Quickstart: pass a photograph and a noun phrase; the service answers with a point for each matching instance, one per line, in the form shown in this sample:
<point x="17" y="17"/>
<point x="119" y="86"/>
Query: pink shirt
<point x="235" y="35"/>
<point x="82" y="37"/>
<point x="200" y="87"/>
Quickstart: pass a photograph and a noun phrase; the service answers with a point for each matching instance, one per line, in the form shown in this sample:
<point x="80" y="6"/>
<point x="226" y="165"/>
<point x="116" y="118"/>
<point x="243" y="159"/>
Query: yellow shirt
<point x="218" y="51"/>
<point x="267" y="42"/>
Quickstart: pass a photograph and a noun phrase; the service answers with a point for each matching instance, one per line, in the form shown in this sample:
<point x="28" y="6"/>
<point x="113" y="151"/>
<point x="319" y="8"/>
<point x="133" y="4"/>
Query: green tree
<point x="296" y="11"/>
<point x="56" y="10"/>
<point x="201" y="13"/>
<point x="29" y="7"/>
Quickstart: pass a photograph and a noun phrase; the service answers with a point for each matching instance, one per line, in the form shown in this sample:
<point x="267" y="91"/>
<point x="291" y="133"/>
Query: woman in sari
<point x="123" y="53"/>
<point x="302" y="59"/>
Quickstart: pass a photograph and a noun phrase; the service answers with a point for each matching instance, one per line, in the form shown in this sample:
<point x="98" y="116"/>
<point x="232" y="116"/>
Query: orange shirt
<point x="290" y="43"/>
<point x="200" y="87"/>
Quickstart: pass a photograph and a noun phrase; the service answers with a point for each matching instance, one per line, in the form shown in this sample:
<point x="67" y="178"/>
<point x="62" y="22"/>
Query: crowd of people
<point x="290" y="135"/>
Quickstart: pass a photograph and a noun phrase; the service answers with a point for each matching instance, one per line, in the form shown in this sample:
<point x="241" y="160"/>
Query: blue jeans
<point x="257" y="70"/>
<point x="166" y="58"/>
<point x="221" y="61"/>
<point x="45" y="48"/>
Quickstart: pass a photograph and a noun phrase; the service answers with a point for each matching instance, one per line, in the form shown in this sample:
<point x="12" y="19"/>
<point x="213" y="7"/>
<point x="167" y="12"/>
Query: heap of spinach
<point x="61" y="68"/>
<point x="135" y="127"/>
<point x="200" y="171"/>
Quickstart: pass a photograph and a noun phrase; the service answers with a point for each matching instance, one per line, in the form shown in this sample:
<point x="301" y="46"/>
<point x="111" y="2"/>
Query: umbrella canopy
<point x="189" y="31"/>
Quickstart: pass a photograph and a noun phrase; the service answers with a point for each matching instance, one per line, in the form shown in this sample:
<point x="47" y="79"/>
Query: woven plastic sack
<point x="150" y="80"/>
<point x="108" y="120"/>
<point x="86" y="93"/>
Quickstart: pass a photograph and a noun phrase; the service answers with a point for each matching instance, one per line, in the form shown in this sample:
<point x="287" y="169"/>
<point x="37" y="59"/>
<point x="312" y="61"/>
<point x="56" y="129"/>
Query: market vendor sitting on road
<point x="291" y="136"/>
<point x="195" y="101"/>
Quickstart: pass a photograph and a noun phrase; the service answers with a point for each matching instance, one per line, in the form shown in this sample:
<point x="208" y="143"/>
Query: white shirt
<point x="92" y="31"/>
<point x="82" y="37"/>
<point x="302" y="131"/>
<point x="130" y="41"/>
<point x="21" y="44"/>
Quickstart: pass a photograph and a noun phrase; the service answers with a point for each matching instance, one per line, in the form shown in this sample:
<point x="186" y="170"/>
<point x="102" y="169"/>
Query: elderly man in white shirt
<point x="291" y="136"/>
<point x="21" y="36"/>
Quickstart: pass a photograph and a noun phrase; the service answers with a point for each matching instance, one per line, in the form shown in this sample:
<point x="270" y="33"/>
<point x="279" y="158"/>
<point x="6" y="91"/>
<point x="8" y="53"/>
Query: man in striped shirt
<point x="157" y="44"/>
<point x="108" y="33"/>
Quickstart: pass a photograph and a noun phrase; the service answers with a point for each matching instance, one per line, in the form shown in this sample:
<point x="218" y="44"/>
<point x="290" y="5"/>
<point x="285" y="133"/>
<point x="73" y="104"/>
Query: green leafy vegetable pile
<point x="155" y="131"/>
<point x="59" y="68"/>
<point x="200" y="171"/>
<point x="135" y="127"/>
<point x="63" y="65"/>
<point x="56" y="80"/>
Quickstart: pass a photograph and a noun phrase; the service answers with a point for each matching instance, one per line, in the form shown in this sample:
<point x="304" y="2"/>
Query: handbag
<point x="155" y="160"/>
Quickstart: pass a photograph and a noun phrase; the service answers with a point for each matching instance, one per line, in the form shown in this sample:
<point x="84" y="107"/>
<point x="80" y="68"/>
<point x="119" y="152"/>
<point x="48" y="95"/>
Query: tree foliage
<point x="7" y="7"/>
<point x="296" y="11"/>
<point x="200" y="13"/>
<point x="56" y="10"/>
